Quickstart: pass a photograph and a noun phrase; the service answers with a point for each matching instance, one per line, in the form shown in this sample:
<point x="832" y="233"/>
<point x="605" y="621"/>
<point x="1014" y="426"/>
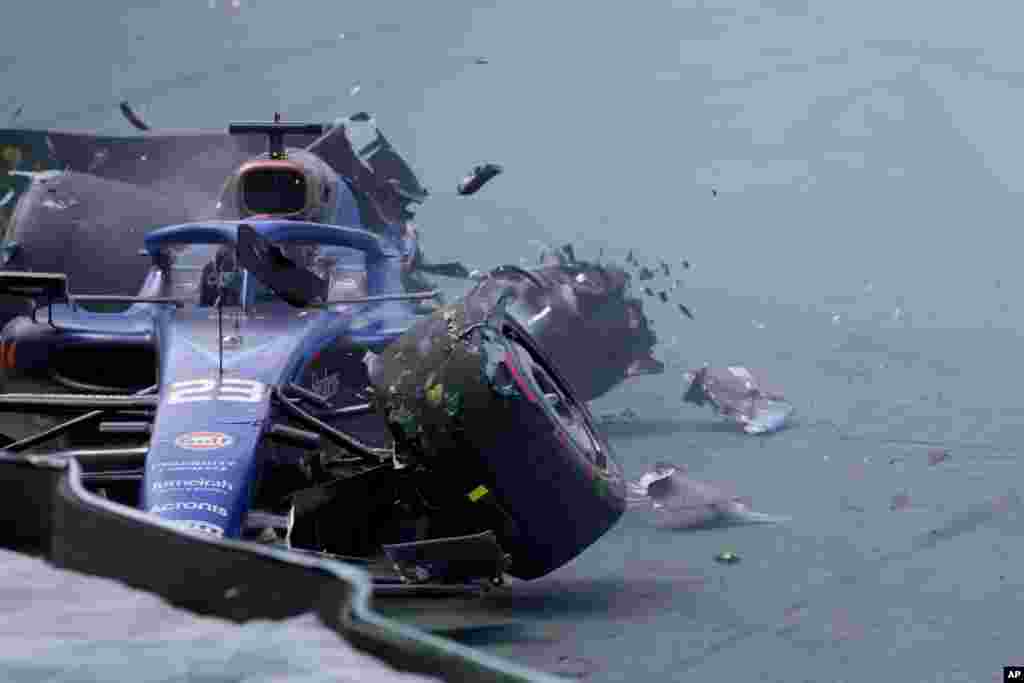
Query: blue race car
<point x="88" y="221"/>
<point x="273" y="381"/>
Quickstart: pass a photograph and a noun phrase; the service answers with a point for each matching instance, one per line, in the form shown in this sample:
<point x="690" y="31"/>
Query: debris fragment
<point x="900" y="501"/>
<point x="665" y="270"/>
<point x="686" y="264"/>
<point x="480" y="176"/>
<point x="795" y="612"/>
<point x="714" y="193"/>
<point x="481" y="60"/>
<point x="663" y="296"/>
<point x="937" y="455"/>
<point x="354" y="90"/>
<point x="645" y="274"/>
<point x="133" y="118"/>
<point x="727" y="557"/>
<point x="648" y="291"/>
<point x="680" y="502"/>
<point x="17" y="113"/>
<point x="739" y="396"/>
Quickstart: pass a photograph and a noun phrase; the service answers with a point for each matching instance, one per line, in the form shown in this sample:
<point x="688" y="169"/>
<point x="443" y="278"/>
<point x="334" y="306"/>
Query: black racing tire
<point x="485" y="411"/>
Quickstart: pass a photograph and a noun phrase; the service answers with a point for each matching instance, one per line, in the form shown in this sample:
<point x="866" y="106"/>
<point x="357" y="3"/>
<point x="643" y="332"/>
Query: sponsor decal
<point x="204" y="527"/>
<point x="195" y="465"/>
<point x="203" y="441"/>
<point x="229" y="389"/>
<point x="221" y="485"/>
<point x="325" y="384"/>
<point x="190" y="506"/>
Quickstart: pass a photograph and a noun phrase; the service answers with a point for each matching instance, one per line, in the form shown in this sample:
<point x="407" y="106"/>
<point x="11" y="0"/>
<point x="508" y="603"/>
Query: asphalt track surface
<point x="860" y="248"/>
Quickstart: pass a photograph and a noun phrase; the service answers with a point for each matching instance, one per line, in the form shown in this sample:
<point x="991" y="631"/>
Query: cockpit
<point x="206" y="275"/>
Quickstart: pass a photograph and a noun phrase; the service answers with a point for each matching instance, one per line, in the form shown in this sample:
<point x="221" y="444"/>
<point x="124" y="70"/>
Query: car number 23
<point x="227" y="389"/>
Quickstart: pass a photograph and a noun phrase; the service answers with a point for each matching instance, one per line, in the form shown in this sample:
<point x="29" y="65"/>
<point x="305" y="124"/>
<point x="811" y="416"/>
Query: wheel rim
<point x="566" y="410"/>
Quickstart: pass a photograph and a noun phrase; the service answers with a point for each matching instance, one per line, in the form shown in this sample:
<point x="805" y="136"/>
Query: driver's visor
<point x="274" y="188"/>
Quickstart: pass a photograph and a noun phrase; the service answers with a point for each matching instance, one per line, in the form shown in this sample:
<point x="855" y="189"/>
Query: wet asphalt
<point x="843" y="178"/>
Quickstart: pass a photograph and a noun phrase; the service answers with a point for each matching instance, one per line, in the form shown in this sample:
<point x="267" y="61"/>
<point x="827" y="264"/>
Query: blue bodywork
<point x="206" y="441"/>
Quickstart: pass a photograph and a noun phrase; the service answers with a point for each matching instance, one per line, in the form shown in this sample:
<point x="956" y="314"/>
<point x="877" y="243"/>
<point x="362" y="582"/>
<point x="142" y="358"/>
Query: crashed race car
<point x="738" y="395"/>
<point x="249" y="392"/>
<point x="112" y="191"/>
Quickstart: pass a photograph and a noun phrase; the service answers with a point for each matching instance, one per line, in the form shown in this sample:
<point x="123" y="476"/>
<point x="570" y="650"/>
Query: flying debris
<point x="630" y="259"/>
<point x="645" y="274"/>
<point x="686" y="264"/>
<point x="663" y="296"/>
<point x="481" y="60"/>
<point x="714" y="192"/>
<point x="665" y="270"/>
<point x="680" y="502"/>
<point x="479" y="177"/>
<point x="354" y="90"/>
<point x="727" y="557"/>
<point x="648" y="291"/>
<point x="685" y="311"/>
<point x="900" y="501"/>
<point x="133" y="118"/>
<point x="582" y="313"/>
<point x="739" y="396"/>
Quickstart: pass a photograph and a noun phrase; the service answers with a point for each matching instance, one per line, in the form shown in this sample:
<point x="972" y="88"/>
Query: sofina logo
<point x="203" y="441"/>
<point x="204" y="527"/>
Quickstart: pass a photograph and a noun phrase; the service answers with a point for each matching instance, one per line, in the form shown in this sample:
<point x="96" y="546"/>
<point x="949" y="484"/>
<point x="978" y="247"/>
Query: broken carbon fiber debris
<point x="479" y="177"/>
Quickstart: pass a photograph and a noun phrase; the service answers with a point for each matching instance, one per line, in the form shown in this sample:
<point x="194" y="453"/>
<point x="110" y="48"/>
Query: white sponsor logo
<point x="219" y="485"/>
<point x="190" y="506"/>
<point x="203" y="441"/>
<point x="326" y="385"/>
<point x="195" y="465"/>
<point x="204" y="527"/>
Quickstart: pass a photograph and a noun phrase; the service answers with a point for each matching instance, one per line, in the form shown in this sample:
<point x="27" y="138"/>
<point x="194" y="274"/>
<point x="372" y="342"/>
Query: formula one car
<point x="272" y="381"/>
<point x="89" y="219"/>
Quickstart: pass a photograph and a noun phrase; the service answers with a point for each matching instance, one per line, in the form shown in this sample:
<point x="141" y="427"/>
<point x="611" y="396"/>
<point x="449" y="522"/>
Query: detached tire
<point x="485" y="412"/>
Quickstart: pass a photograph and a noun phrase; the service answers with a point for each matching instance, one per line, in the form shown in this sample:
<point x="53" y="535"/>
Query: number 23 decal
<point x="229" y="389"/>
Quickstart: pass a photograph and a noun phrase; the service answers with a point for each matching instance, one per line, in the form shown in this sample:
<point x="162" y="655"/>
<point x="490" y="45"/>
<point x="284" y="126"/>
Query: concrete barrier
<point x="45" y="510"/>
